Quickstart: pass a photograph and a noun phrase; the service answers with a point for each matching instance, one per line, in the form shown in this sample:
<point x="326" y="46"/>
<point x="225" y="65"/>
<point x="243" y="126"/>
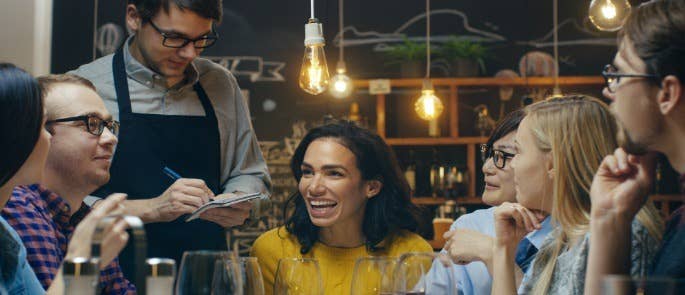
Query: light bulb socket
<point x="427" y="84"/>
<point x="341" y="68"/>
<point x="313" y="33"/>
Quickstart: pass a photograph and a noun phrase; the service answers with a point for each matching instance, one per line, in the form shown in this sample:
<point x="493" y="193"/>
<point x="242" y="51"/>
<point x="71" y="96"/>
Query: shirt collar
<point x="538" y="237"/>
<point x="140" y="73"/>
<point x="57" y="207"/>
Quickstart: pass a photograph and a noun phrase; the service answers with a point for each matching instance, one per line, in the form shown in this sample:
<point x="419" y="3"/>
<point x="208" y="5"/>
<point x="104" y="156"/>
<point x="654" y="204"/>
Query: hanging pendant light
<point x="341" y="83"/>
<point x="556" y="92"/>
<point x="609" y="15"/>
<point x="428" y="106"/>
<point x="314" y="72"/>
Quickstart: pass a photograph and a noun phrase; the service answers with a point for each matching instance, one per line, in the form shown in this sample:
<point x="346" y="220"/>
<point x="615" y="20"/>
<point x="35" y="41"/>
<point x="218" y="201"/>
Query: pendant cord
<point x="340" y="24"/>
<point x="428" y="40"/>
<point x="556" y="44"/>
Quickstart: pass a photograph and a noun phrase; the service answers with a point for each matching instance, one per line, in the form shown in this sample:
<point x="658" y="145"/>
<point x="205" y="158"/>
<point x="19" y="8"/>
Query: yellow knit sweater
<point x="336" y="264"/>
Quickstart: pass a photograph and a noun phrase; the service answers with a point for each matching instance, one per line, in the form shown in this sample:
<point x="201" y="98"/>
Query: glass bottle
<point x="410" y="173"/>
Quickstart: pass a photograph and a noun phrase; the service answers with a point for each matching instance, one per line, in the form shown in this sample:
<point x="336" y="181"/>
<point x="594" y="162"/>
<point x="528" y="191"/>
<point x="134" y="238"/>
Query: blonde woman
<point x="559" y="146"/>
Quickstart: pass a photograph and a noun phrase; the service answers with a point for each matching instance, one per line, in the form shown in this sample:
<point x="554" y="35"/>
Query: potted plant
<point x="466" y="58"/>
<point x="411" y="57"/>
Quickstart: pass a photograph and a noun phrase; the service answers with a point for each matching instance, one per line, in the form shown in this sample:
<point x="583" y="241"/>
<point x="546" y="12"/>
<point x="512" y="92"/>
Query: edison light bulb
<point x="341" y="84"/>
<point x="608" y="15"/>
<point x="429" y="106"/>
<point x="314" y="73"/>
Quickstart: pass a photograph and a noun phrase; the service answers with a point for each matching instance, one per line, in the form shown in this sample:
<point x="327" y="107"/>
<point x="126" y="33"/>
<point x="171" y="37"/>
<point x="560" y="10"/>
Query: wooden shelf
<point x="664" y="201"/>
<point x="491" y="81"/>
<point x="667" y="198"/>
<point x="430" y="201"/>
<point x="452" y="112"/>
<point x="418" y="141"/>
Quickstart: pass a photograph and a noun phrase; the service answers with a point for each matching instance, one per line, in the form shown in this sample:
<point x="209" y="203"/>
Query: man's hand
<point x="182" y="197"/>
<point x="465" y="246"/>
<point x="229" y="216"/>
<point x="619" y="189"/>
<point x="621" y="186"/>
<point x="115" y="236"/>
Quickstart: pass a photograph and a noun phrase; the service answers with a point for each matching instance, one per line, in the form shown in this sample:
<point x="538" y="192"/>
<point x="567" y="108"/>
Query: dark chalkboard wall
<point x="273" y="32"/>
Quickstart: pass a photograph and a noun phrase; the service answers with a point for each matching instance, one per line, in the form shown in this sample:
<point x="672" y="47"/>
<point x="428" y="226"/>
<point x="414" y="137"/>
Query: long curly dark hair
<point x="386" y="213"/>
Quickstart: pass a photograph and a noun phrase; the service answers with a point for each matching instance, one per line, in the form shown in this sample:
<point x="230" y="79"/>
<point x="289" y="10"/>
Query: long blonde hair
<point x="578" y="131"/>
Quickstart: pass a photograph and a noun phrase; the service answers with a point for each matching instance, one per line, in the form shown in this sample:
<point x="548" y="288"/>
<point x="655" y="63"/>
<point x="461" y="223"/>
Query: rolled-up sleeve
<point x="248" y="171"/>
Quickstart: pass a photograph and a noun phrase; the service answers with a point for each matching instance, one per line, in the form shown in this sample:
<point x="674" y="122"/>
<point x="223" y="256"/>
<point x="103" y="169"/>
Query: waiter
<point x="182" y="112"/>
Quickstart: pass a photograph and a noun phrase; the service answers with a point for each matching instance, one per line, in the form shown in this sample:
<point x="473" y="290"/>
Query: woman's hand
<point x="465" y="246"/>
<point x="115" y="236"/>
<point x="513" y="222"/>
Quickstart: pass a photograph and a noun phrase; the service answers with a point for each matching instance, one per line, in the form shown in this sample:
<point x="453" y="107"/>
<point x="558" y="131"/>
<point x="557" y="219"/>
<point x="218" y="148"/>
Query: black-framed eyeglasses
<point x="94" y="124"/>
<point x="499" y="157"/>
<point x="177" y="41"/>
<point x="612" y="77"/>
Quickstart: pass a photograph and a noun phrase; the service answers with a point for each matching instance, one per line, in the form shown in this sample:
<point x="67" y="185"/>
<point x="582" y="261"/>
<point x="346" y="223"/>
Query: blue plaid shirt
<point x="42" y="220"/>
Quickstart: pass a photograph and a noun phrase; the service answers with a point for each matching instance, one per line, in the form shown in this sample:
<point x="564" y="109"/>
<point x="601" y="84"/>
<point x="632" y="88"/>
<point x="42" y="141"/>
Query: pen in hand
<point x="171" y="173"/>
<point x="175" y="176"/>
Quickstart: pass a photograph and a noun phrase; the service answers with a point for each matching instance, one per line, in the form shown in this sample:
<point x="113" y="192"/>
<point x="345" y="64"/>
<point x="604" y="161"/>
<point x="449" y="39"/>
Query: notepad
<point x="221" y="203"/>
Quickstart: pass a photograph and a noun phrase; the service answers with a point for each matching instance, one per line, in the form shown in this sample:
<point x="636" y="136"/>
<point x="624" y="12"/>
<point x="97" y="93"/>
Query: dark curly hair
<point x="386" y="213"/>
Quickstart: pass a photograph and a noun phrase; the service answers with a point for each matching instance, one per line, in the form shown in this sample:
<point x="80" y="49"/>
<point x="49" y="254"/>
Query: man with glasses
<point x="45" y="215"/>
<point x="469" y="241"/>
<point x="646" y="85"/>
<point x="183" y="112"/>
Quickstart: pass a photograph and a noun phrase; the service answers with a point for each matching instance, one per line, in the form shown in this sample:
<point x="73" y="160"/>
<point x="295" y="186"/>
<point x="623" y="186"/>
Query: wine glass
<point x="424" y="273"/>
<point x="248" y="273"/>
<point x="225" y="280"/>
<point x="627" y="285"/>
<point x="197" y="271"/>
<point x="373" y="275"/>
<point x="238" y="276"/>
<point x="298" y="276"/>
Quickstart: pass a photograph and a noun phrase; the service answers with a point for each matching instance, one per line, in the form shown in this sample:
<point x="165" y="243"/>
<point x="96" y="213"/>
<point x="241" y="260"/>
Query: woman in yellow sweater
<point x="352" y="201"/>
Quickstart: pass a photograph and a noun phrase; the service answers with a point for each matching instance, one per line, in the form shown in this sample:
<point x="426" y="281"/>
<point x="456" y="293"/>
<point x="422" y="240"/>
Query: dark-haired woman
<point x="469" y="241"/>
<point x="352" y="202"/>
<point x="25" y="144"/>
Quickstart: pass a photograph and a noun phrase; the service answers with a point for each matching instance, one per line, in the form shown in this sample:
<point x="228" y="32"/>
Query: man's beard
<point x="630" y="145"/>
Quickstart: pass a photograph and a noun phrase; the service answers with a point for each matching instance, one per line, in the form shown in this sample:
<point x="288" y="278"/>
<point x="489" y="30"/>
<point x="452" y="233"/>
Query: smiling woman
<point x="352" y="202"/>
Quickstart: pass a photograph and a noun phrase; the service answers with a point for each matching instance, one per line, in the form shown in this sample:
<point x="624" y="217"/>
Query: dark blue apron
<point x="188" y="145"/>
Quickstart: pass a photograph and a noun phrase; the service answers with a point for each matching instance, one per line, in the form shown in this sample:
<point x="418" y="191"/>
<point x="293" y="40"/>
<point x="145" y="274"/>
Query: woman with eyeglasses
<point x="469" y="241"/>
<point x="559" y="146"/>
<point x="25" y="144"/>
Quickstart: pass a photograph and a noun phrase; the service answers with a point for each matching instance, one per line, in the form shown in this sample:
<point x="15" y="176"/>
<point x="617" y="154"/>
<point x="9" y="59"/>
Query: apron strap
<point x="121" y="83"/>
<point x="206" y="104"/>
